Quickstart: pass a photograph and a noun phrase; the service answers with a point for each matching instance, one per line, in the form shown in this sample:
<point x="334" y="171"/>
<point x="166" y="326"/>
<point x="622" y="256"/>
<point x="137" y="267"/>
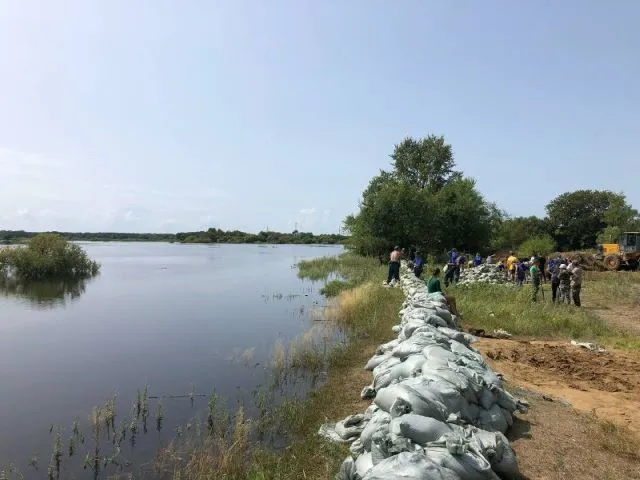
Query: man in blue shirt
<point x="477" y="260"/>
<point x="452" y="267"/>
<point x="418" y="265"/>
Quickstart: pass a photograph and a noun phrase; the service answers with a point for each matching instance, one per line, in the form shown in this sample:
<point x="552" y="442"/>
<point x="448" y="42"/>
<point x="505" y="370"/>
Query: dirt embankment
<point x="605" y="384"/>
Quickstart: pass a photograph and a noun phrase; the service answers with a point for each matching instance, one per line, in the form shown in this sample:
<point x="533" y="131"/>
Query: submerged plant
<point x="145" y="408"/>
<point x="110" y="415"/>
<point x="159" y="415"/>
<point x="53" y="472"/>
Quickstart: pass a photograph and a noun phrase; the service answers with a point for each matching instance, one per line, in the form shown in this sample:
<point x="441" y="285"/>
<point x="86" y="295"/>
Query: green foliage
<point x="426" y="163"/>
<point x="19" y="236"/>
<point x="609" y="235"/>
<point x="512" y="232"/>
<point x="577" y="217"/>
<point x="541" y="245"/>
<point x="47" y="256"/>
<point x="421" y="203"/>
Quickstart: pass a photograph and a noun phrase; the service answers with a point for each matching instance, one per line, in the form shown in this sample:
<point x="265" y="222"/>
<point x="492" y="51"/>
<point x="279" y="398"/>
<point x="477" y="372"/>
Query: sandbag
<point x="492" y="420"/>
<point x="347" y="470"/>
<point x="468" y="465"/>
<point x="363" y="464"/>
<point x="419" y="429"/>
<point x="378" y="419"/>
<point x="376" y="360"/>
<point x="496" y="448"/>
<point x="410" y="466"/>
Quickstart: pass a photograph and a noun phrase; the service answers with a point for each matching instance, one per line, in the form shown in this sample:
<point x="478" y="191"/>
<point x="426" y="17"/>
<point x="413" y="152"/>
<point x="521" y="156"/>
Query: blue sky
<point x="173" y="116"/>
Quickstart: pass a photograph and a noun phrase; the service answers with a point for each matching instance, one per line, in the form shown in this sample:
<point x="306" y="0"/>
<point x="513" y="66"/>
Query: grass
<point x="498" y="306"/>
<point x="619" y="440"/>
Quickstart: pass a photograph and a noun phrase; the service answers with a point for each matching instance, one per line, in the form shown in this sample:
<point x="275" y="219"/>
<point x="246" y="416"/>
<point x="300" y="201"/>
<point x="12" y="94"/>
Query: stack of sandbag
<point x="482" y="274"/>
<point x="438" y="411"/>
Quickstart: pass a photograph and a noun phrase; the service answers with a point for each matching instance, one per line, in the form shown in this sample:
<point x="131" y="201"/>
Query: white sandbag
<point x="386" y="365"/>
<point x="444" y="314"/>
<point x="419" y="429"/>
<point x="351" y="427"/>
<point x="468" y="465"/>
<point x="356" y="448"/>
<point x="363" y="464"/>
<point x="379" y="450"/>
<point x="455" y="379"/>
<point x="410" y="466"/>
<point x="461" y="349"/>
<point x="399" y="399"/>
<point x="378" y="419"/>
<point x="347" y="470"/>
<point x="492" y="420"/>
<point x="461" y="337"/>
<point x="386" y="347"/>
<point x="376" y="360"/>
<point x="413" y="345"/>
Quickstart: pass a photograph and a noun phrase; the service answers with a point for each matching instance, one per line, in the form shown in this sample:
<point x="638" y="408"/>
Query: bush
<point x="47" y="256"/>
<point x="542" y="245"/>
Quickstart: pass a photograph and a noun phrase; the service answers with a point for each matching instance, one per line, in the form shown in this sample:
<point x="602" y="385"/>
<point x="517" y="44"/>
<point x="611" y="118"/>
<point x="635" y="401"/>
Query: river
<point x="178" y="318"/>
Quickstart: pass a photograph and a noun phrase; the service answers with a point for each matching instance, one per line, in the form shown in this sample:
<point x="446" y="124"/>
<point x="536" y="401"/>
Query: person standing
<point x="542" y="261"/>
<point x="490" y="259"/>
<point x="520" y="273"/>
<point x="535" y="279"/>
<point x="452" y="265"/>
<point x="418" y="264"/>
<point x="394" y="266"/>
<point x="477" y="260"/>
<point x="564" y="277"/>
<point x="555" y="280"/>
<point x="461" y="265"/>
<point x="576" y="283"/>
<point x="511" y="266"/>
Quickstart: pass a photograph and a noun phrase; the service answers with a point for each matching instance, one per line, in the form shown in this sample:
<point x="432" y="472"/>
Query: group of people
<point x="565" y="277"/>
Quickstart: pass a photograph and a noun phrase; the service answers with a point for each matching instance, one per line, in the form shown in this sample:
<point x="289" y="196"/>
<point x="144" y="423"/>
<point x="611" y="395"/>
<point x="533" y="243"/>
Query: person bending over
<point x="433" y="286"/>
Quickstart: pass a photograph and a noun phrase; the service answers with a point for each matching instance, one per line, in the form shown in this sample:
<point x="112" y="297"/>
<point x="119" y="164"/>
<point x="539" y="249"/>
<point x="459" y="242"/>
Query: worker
<point x="535" y="279"/>
<point x="452" y="266"/>
<point x="576" y="283"/>
<point x="418" y="264"/>
<point x="490" y="259"/>
<point x="520" y="273"/>
<point x="564" y="277"/>
<point x="461" y="265"/>
<point x="433" y="286"/>
<point x="511" y="266"/>
<point x="477" y="260"/>
<point x="394" y="266"/>
<point x="554" y="265"/>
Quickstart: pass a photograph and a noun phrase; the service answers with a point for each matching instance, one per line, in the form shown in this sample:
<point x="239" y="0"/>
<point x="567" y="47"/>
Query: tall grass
<point x="502" y="306"/>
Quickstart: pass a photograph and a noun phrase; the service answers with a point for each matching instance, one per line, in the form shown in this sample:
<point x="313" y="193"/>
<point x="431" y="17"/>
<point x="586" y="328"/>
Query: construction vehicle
<point x="622" y="255"/>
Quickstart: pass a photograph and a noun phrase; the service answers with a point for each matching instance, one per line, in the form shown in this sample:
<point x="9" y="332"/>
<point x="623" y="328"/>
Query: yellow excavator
<point x="622" y="255"/>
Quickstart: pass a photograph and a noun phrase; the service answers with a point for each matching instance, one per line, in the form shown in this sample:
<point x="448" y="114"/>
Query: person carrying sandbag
<point x="433" y="286"/>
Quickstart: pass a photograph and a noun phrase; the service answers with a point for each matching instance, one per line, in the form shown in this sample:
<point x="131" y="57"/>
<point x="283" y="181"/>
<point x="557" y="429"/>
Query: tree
<point x="421" y="203"/>
<point x="512" y="232"/>
<point x="539" y="245"/>
<point x="426" y="163"/>
<point x="577" y="217"/>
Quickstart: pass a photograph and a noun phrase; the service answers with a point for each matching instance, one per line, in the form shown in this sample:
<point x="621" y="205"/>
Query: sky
<point x="167" y="116"/>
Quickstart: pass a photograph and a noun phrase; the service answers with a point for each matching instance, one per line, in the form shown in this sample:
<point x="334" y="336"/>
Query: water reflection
<point x="43" y="294"/>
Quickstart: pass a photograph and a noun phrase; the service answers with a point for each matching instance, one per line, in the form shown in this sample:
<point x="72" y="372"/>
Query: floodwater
<point x="178" y="318"/>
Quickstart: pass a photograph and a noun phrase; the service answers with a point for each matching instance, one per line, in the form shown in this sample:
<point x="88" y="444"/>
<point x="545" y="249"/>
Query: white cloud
<point x="307" y="211"/>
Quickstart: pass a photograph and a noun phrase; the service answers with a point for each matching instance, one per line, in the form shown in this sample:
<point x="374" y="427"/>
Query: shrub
<point x="542" y="245"/>
<point x="47" y="256"/>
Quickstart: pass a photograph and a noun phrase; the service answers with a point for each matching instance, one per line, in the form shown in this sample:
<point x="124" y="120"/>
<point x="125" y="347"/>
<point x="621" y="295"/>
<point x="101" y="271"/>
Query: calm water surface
<point x="174" y="317"/>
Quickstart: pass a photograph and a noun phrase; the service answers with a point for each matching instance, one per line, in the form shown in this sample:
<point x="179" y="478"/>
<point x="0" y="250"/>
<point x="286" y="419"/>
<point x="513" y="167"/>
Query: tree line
<point x="423" y="202"/>
<point x="211" y="235"/>
<point x="215" y="235"/>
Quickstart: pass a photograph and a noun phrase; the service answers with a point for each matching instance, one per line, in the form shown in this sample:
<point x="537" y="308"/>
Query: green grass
<point x="355" y="268"/>
<point x="499" y="306"/>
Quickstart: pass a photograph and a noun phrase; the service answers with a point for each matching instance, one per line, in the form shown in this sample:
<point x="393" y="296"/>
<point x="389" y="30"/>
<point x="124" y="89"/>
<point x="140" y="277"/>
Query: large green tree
<point x="578" y="218"/>
<point x="422" y="202"/>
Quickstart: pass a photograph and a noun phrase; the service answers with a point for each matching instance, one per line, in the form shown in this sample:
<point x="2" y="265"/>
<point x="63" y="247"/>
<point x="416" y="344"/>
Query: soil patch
<point x="554" y="442"/>
<point x="604" y="384"/>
